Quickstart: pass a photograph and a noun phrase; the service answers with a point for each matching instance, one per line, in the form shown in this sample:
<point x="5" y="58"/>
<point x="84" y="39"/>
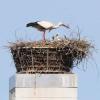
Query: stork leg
<point x="44" y="38"/>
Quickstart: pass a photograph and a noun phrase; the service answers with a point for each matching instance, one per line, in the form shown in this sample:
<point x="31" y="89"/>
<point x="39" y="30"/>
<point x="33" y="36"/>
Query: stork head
<point x="62" y="24"/>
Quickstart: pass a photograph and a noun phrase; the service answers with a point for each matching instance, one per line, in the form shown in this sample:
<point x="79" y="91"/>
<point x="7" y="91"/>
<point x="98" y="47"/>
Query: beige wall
<point x="46" y="92"/>
<point x="45" y="99"/>
<point x="45" y="87"/>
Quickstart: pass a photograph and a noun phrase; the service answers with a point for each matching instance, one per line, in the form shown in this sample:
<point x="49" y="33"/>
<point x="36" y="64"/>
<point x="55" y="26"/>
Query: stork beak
<point x="67" y="26"/>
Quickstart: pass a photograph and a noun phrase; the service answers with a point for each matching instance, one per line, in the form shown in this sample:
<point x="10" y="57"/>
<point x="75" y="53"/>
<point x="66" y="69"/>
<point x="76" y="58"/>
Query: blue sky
<point x="14" y="14"/>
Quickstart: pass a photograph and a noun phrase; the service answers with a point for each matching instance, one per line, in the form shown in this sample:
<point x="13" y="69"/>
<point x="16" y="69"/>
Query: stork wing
<point x="45" y="24"/>
<point x="32" y="24"/>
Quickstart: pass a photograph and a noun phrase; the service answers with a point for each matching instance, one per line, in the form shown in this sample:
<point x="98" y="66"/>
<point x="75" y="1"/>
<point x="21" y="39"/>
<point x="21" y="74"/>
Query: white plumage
<point x="45" y="25"/>
<point x="56" y="38"/>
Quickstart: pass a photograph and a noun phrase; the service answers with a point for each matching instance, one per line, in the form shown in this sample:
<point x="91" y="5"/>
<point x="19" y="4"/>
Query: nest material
<point x="53" y="56"/>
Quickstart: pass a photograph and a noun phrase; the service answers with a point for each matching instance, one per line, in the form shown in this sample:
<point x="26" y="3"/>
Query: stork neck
<point x="58" y="25"/>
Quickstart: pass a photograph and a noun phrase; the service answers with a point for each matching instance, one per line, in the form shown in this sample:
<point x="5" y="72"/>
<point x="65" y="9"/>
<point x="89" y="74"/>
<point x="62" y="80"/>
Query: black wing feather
<point x="32" y="24"/>
<point x="35" y="25"/>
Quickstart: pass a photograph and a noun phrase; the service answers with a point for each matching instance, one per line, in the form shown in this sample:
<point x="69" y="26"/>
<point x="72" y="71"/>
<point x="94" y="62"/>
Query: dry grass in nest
<point x="53" y="56"/>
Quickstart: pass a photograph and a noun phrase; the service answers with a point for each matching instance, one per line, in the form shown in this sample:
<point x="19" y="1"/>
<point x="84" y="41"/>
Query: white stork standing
<point x="45" y="25"/>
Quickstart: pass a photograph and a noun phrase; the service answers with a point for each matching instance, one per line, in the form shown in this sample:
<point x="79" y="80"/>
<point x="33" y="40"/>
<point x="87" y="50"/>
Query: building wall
<point x="43" y="87"/>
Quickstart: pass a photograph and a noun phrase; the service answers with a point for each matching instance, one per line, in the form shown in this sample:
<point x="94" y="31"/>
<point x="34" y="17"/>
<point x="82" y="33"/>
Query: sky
<point x="15" y="14"/>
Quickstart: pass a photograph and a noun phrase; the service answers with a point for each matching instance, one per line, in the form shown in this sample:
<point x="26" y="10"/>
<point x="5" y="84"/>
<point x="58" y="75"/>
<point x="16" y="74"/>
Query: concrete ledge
<point x="45" y="98"/>
<point x="46" y="92"/>
<point x="43" y="81"/>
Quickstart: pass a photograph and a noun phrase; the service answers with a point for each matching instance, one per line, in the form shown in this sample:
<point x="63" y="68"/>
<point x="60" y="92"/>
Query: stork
<point x="56" y="38"/>
<point x="45" y="25"/>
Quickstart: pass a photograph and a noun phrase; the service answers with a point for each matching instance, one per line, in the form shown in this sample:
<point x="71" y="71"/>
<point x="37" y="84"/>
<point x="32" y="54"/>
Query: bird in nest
<point x="43" y="26"/>
<point x="56" y="37"/>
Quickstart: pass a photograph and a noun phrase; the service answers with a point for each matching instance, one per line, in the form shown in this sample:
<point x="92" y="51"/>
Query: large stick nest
<point x="51" y="56"/>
